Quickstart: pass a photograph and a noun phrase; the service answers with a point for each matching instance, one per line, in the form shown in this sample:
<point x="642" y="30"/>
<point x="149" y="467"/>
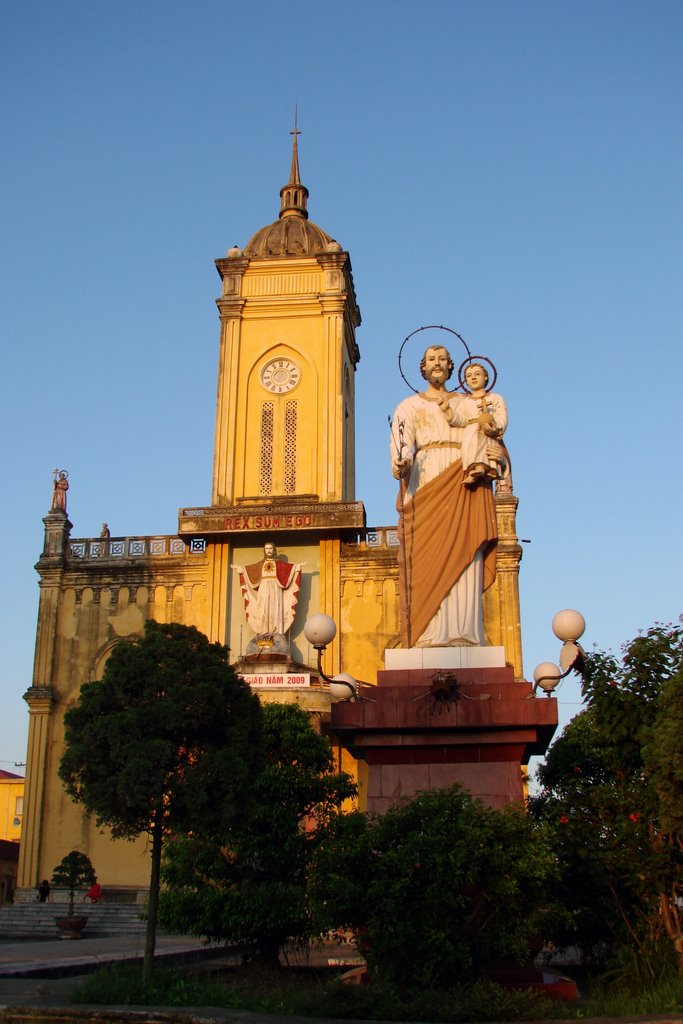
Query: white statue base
<point x="397" y="658"/>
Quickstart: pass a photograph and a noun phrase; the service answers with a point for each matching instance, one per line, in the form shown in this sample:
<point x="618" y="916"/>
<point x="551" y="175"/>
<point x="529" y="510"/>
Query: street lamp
<point x="568" y="625"/>
<point x="320" y="630"/>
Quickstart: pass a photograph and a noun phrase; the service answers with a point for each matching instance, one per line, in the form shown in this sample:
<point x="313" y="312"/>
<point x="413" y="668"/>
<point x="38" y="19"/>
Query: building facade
<point x="283" y="472"/>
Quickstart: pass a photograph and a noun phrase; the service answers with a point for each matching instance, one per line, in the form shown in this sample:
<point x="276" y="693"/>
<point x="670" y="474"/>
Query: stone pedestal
<point x="278" y="679"/>
<point x="424" y="728"/>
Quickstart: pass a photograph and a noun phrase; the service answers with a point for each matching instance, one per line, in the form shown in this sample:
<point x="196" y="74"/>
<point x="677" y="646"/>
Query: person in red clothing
<point x="94" y="893"/>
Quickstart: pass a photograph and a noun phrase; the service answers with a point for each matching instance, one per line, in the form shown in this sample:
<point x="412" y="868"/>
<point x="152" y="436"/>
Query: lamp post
<point x="320" y="630"/>
<point x="568" y="625"/>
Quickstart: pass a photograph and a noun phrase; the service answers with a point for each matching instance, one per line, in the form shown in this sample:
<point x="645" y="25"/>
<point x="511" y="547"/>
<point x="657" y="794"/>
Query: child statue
<point x="487" y="419"/>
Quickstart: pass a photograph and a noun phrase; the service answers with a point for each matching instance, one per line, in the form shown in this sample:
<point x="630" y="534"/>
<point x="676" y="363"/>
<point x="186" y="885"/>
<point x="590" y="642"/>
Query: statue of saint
<point x="270" y="590"/>
<point x="59" y="489"/>
<point x="447" y="530"/>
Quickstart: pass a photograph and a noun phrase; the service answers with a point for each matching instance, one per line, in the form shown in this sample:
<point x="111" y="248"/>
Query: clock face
<point x="280" y="376"/>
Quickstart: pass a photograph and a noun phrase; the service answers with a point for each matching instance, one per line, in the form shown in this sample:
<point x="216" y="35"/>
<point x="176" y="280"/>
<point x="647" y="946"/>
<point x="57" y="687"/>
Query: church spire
<point x="294" y="195"/>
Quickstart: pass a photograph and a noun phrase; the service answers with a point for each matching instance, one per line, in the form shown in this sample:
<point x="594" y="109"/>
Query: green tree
<point x="74" y="871"/>
<point x="168" y="741"/>
<point x="440" y="886"/>
<point x="663" y="760"/>
<point x="663" y="753"/>
<point x="612" y="790"/>
<point x="250" y="884"/>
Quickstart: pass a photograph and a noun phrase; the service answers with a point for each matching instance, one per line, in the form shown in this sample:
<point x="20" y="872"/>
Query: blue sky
<point x="509" y="169"/>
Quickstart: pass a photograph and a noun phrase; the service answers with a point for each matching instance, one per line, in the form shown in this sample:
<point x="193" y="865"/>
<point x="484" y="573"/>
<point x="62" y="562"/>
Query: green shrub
<point x="611" y="998"/>
<point x="310" y="993"/>
<point x="441" y="886"/>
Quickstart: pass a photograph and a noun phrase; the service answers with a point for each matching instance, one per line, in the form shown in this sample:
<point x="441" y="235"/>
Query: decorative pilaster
<point x="40" y="700"/>
<point x="40" y="696"/>
<point x="502" y="616"/>
<point x="330" y="598"/>
<point x="230" y="310"/>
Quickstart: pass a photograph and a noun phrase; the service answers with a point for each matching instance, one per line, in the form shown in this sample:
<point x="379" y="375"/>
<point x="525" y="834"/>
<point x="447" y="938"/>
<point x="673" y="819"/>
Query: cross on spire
<point x="295" y="130"/>
<point x="293" y="195"/>
<point x="294" y="177"/>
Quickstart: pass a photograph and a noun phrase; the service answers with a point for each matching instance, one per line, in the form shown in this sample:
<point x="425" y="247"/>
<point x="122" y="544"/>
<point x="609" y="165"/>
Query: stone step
<point x="37" y="920"/>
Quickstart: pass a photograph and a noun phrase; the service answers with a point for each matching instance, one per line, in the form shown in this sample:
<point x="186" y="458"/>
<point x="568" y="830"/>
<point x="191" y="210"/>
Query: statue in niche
<point x="447" y="521"/>
<point x="270" y="591"/>
<point x="59" y="489"/>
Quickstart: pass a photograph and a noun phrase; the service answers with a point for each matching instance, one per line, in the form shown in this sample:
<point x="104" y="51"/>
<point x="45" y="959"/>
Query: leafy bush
<point x="610" y="997"/>
<point x="306" y="993"/>
<point x="442" y="885"/>
<point x="123" y="985"/>
<point x="480" y="1001"/>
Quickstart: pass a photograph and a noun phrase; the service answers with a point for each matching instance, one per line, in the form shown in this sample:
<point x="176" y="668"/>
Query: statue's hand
<point x="494" y="451"/>
<point x="445" y="406"/>
<point x="402" y="468"/>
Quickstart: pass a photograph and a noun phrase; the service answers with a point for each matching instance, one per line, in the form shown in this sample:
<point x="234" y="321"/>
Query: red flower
<point x="634" y="816"/>
<point x="563" y="819"/>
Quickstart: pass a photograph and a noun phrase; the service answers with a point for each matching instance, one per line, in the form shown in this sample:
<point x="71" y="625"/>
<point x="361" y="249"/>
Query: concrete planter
<point x="71" y="926"/>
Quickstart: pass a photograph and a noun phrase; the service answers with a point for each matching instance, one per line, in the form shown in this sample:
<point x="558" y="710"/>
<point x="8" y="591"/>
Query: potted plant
<point x="74" y="872"/>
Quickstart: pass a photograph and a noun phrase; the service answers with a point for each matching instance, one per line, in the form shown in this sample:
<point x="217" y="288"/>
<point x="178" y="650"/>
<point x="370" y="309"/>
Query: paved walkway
<point x="40" y="974"/>
<point x="32" y="973"/>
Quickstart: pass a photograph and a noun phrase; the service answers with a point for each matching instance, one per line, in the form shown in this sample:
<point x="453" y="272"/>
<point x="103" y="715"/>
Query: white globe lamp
<point x="568" y="624"/>
<point x="546" y="676"/>
<point x="343" y="686"/>
<point x="320" y="630"/>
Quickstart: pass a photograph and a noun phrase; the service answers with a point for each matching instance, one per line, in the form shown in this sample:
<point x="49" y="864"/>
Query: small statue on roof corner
<point x="59" y="489"/>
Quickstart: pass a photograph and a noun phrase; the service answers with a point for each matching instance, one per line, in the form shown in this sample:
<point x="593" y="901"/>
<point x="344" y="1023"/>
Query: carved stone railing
<point x="376" y="537"/>
<point x="133" y="548"/>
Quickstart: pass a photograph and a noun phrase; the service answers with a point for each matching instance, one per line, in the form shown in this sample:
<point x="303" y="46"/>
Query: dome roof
<point x="293" y="234"/>
<point x="290" y="236"/>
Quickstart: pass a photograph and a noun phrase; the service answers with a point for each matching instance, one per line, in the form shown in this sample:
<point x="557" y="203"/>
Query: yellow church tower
<point x="284" y="454"/>
<point x="288" y="354"/>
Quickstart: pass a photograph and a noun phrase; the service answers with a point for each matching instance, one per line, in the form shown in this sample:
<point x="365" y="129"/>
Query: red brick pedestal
<point x="423" y="729"/>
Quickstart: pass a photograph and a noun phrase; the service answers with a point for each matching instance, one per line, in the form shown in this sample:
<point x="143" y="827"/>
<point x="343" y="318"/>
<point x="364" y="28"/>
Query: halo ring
<point x="429" y="327"/>
<point x="476" y="359"/>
